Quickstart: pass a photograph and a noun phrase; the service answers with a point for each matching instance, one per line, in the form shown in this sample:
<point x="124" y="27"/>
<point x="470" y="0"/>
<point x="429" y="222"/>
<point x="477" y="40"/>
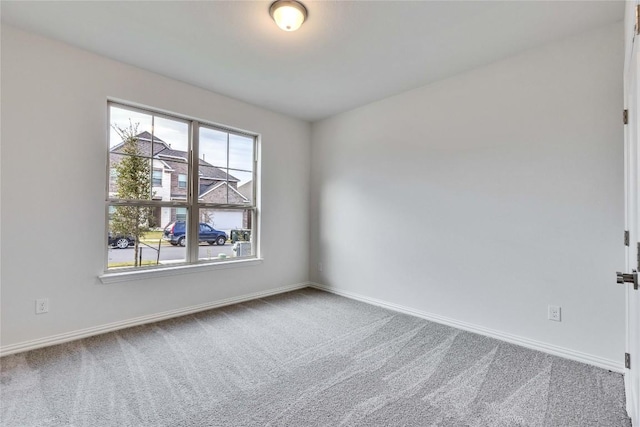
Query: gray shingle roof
<point x="161" y="150"/>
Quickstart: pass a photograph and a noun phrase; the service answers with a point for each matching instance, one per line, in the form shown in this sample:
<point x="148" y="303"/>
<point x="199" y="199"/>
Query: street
<point x="117" y="257"/>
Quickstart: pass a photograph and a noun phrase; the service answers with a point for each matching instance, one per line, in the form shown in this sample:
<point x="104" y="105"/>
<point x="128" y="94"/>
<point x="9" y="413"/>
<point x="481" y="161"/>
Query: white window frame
<point x="192" y="203"/>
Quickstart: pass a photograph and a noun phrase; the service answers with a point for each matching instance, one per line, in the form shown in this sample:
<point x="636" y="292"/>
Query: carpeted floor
<point x="305" y="358"/>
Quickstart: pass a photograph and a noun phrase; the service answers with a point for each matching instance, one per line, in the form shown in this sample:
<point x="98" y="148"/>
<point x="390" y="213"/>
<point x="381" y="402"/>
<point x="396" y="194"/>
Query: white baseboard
<point x="555" y="350"/>
<point x="514" y="339"/>
<point x="110" y="327"/>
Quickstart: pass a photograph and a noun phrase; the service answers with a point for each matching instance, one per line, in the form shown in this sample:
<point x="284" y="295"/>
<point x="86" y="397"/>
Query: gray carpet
<point x="305" y="358"/>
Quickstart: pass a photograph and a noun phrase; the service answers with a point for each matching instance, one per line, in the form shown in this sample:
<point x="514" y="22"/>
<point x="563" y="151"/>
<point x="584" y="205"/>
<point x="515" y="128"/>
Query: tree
<point x="133" y="182"/>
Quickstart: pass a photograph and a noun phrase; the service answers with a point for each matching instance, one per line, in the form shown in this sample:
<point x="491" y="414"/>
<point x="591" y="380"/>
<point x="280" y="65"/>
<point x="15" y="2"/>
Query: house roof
<point x="246" y="189"/>
<point x="213" y="172"/>
<point x="209" y="188"/>
<point x="152" y="146"/>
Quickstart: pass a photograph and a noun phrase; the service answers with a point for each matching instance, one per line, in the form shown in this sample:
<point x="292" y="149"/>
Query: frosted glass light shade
<point x="288" y="14"/>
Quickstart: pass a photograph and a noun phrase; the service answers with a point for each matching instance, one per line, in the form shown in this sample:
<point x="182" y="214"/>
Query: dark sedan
<point x="121" y="242"/>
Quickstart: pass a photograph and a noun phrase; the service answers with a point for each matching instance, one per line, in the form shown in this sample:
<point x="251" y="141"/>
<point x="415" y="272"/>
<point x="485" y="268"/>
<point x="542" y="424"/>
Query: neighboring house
<point x="170" y="182"/>
<point x="246" y="190"/>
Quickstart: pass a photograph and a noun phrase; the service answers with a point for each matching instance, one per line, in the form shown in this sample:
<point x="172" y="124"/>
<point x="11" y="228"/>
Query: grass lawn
<point x="128" y="264"/>
<point x="152" y="237"/>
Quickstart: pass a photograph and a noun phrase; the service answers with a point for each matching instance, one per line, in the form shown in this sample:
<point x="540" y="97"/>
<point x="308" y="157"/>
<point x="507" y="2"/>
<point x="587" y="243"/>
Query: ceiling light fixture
<point x="288" y="14"/>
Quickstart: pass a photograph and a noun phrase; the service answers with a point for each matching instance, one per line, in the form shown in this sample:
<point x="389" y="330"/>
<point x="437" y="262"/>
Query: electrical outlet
<point x="554" y="313"/>
<point x="42" y="305"/>
<point x="320" y="266"/>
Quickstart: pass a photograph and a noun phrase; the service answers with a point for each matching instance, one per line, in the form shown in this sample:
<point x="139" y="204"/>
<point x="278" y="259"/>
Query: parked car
<point x="174" y="233"/>
<point x="121" y="242"/>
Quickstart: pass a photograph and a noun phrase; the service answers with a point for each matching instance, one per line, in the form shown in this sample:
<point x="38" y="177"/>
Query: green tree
<point x="133" y="182"/>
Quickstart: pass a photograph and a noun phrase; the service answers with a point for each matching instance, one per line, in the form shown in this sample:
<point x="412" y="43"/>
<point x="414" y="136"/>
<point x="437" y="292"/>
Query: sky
<point x="175" y="132"/>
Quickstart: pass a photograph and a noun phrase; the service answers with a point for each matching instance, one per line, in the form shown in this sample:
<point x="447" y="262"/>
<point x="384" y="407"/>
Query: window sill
<point x="127" y="276"/>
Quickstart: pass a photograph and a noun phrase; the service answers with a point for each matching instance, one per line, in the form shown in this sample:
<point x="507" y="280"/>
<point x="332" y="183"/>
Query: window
<point x="182" y="181"/>
<point x="157" y="178"/>
<point x="181" y="214"/>
<point x="213" y="222"/>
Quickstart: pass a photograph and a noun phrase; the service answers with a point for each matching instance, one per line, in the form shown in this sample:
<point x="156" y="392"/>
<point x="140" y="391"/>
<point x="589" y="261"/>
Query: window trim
<point x="192" y="203"/>
<point x="175" y="270"/>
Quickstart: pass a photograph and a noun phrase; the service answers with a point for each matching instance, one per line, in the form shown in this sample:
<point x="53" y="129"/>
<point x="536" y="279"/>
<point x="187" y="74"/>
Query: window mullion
<point x="153" y="122"/>
<point x="194" y="186"/>
<point x="227" y="186"/>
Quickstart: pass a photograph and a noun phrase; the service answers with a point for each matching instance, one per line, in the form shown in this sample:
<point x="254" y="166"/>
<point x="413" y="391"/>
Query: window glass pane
<point x="174" y="234"/>
<point x="240" y="152"/>
<point x="132" y="179"/>
<point x="238" y="190"/>
<point x="213" y="191"/>
<point x="171" y="137"/>
<point x="128" y="122"/>
<point x="136" y="238"/>
<point x="234" y="226"/>
<point x="244" y="185"/>
<point x="132" y="221"/>
<point x="215" y="188"/>
<point x="213" y="147"/>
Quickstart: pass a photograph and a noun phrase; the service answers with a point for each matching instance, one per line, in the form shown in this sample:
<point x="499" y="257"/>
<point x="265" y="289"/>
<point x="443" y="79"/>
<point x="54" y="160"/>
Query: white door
<point x="632" y="214"/>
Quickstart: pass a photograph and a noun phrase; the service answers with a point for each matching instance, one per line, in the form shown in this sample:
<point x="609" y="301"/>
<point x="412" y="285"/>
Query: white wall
<point x="53" y="189"/>
<point x="508" y="183"/>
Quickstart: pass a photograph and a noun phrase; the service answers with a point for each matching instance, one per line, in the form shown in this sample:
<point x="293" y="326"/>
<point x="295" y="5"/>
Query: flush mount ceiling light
<point x="288" y="14"/>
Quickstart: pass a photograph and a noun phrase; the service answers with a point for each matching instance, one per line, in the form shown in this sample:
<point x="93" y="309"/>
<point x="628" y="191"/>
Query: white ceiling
<point x="347" y="54"/>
